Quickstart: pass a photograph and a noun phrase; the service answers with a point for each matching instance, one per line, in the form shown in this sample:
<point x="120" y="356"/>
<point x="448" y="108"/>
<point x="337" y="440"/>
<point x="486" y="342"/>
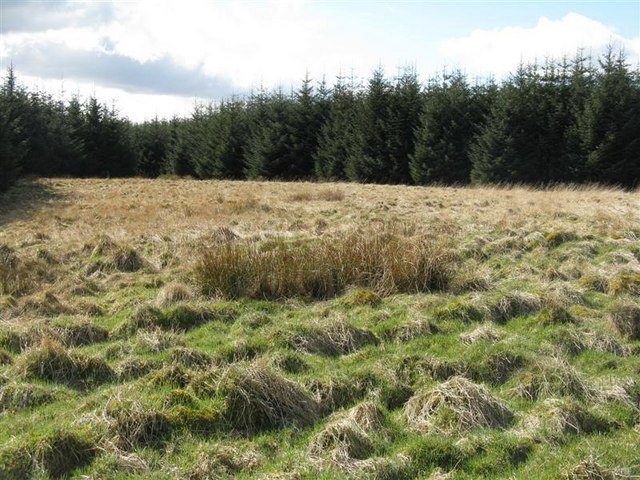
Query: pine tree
<point x="453" y="114"/>
<point x="340" y="141"/>
<point x="612" y="124"/>
<point x="406" y="110"/>
<point x="376" y="161"/>
<point x="12" y="141"/>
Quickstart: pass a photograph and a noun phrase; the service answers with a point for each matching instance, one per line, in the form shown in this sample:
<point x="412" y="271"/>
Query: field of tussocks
<point x="206" y="329"/>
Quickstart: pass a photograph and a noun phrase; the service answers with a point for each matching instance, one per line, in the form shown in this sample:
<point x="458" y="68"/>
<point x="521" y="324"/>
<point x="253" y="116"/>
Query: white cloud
<point x="500" y="51"/>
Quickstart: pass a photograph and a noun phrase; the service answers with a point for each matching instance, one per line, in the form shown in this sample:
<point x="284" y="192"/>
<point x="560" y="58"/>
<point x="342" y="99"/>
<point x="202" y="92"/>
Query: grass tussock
<point x="558" y="417"/>
<point x="16" y="396"/>
<point x="591" y="469"/>
<point x="180" y="317"/>
<point x="625" y="282"/>
<point x="333" y="338"/>
<point x="52" y="362"/>
<point x="348" y="439"/>
<point x="484" y="333"/>
<point x="385" y="263"/>
<point x="454" y="406"/>
<point x="625" y="317"/>
<point x="258" y="399"/>
<point x="15" y="276"/>
<point x="552" y="377"/>
<point x="225" y="461"/>
<point x="504" y="307"/>
<point x="129" y="424"/>
<point x="173" y="293"/>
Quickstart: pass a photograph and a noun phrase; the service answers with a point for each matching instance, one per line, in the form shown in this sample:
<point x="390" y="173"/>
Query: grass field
<point x="190" y="329"/>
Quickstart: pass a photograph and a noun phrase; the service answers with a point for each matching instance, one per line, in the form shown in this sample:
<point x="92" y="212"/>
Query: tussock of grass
<point x="173" y="293"/>
<point x="15" y="276"/>
<point x="198" y="421"/>
<point x="225" y="461"/>
<point x="259" y="399"/>
<point x="15" y="396"/>
<point x="414" y="368"/>
<point x="484" y="333"/>
<point x="625" y="317"/>
<point x="347" y="438"/>
<point x="335" y="337"/>
<point x="52" y="362"/>
<point x="130" y="424"/>
<point x="625" y="282"/>
<point x="590" y="469"/>
<point x="5" y="357"/>
<point x="454" y="406"/>
<point x="155" y="341"/>
<point x="334" y="393"/>
<point x="190" y="358"/>
<point x="132" y="368"/>
<point x="383" y="262"/>
<point x="177" y="317"/>
<point x="53" y="455"/>
<point x="173" y="375"/>
<point x="504" y="307"/>
<point x="415" y="328"/>
<point x="46" y="304"/>
<point x="361" y="296"/>
<point x="558" y="237"/>
<point x="552" y="376"/>
<point x="564" y="416"/>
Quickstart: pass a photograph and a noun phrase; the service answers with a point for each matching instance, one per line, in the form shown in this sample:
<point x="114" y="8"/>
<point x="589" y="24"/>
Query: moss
<point x="558" y="237"/>
<point x="554" y="315"/>
<point x="361" y="297"/>
<point x="199" y="421"/>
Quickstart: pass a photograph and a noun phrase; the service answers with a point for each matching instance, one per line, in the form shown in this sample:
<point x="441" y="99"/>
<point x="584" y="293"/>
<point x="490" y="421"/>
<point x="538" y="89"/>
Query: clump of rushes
<point x="625" y="317"/>
<point x="259" y="399"/>
<point x="323" y="268"/>
<point x="454" y="406"/>
<point x="52" y="362"/>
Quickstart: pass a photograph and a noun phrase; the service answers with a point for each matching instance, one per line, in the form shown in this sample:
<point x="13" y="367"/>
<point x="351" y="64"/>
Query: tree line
<point x="560" y="121"/>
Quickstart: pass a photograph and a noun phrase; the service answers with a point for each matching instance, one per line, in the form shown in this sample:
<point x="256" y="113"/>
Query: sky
<point x="160" y="57"/>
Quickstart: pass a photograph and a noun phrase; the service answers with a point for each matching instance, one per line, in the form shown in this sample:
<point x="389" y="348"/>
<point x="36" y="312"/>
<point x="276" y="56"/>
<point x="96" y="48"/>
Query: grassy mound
<point x="625" y="317"/>
<point x="130" y="424"/>
<point x="173" y="293"/>
<point x="564" y="416"/>
<point x="347" y="439"/>
<point x="552" y="377"/>
<point x="454" y="406"/>
<point x="336" y="337"/>
<point x="258" y="399"/>
<point x="14" y="396"/>
<point x="52" y="362"/>
<point x="484" y="333"/>
<point x="56" y="455"/>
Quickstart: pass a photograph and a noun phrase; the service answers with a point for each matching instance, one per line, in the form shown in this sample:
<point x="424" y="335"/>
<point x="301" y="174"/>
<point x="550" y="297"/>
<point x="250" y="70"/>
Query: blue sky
<point x="156" y="57"/>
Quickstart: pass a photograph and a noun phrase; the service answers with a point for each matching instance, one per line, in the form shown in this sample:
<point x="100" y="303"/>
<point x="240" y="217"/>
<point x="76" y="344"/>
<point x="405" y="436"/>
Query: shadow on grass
<point x="25" y="198"/>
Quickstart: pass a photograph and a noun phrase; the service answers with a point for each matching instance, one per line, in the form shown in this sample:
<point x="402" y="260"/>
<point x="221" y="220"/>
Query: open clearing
<point x="194" y="329"/>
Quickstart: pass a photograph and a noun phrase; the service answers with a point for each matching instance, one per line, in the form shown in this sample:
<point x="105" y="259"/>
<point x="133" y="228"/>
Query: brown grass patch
<point x="173" y="293"/>
<point x="259" y="399"/>
<point x="625" y="317"/>
<point x="383" y="262"/>
<point x="454" y="406"/>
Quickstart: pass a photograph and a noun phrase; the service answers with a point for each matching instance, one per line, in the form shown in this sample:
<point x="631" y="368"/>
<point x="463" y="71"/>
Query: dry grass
<point x="52" y="362"/>
<point x="552" y="376"/>
<point x="332" y="337"/>
<point x="455" y="406"/>
<point x="258" y="399"/>
<point x="625" y="317"/>
<point x="384" y="262"/>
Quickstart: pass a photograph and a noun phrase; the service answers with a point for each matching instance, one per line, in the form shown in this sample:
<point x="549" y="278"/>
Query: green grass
<point x="368" y="355"/>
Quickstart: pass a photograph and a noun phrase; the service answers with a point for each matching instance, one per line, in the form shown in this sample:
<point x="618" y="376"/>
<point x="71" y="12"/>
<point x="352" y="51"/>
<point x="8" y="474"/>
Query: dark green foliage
<point x="453" y="113"/>
<point x="564" y="121"/>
